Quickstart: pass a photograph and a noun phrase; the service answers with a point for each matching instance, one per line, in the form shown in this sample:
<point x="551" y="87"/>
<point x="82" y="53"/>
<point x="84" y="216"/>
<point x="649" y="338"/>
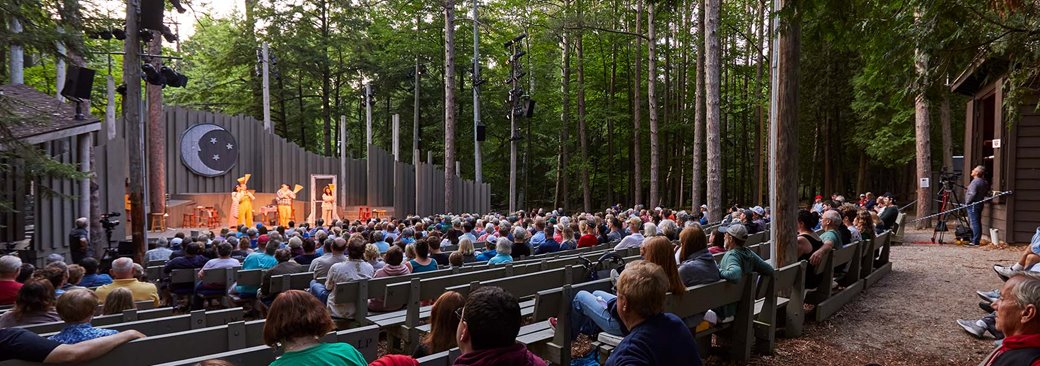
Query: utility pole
<point x="134" y="128"/>
<point x="368" y="116"/>
<point x="415" y="117"/>
<point x="17" y="56"/>
<point x="476" y="94"/>
<point x="513" y="99"/>
<point x="265" y="63"/>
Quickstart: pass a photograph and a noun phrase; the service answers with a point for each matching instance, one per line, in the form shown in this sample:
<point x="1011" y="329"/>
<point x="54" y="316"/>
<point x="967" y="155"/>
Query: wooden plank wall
<point x="272" y="159"/>
<point x="55" y="213"/>
<point x="1025" y="167"/>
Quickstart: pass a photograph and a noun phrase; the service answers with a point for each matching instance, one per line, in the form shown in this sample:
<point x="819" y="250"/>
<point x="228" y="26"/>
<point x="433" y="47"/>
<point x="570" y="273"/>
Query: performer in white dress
<point x="235" y="196"/>
<point x="328" y="204"/>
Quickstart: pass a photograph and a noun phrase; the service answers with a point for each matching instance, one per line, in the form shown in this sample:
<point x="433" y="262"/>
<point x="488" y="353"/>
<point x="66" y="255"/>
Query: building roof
<point x="39" y="117"/>
<point x="982" y="71"/>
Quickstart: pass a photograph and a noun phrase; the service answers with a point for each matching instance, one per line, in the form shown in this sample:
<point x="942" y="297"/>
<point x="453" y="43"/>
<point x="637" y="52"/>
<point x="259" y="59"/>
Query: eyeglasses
<point x="458" y="313"/>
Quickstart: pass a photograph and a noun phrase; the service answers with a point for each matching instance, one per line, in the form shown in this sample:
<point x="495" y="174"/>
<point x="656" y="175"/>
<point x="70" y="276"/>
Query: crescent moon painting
<point x="208" y="150"/>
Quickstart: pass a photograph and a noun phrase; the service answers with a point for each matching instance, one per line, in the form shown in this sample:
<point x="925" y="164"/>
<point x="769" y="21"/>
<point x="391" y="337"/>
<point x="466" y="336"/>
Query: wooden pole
<point x="17" y="61"/>
<point x="476" y="96"/>
<point x="134" y="130"/>
<point x="265" y="63"/>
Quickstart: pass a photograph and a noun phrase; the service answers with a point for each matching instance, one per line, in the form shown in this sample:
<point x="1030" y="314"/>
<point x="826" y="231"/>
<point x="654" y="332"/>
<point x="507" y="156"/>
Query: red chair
<point x="364" y="213"/>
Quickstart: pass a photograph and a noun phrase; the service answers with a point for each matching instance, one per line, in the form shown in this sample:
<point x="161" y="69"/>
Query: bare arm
<point x="89" y="350"/>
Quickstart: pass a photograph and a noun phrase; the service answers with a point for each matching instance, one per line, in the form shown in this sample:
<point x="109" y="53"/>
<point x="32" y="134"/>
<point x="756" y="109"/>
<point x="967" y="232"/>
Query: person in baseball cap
<point x="739" y="260"/>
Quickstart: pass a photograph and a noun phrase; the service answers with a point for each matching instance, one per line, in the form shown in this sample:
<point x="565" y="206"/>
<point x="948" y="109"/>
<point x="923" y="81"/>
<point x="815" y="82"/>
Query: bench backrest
<point x="126" y="316"/>
<point x="527" y="284"/>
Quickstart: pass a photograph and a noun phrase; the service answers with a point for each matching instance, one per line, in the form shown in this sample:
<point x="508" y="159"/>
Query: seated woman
<point x="422" y="261"/>
<point x="394" y="267"/>
<point x="503" y="252"/>
<point x="295" y="322"/>
<point x="655" y="337"/>
<point x="466" y="250"/>
<point x="717" y="240"/>
<point x="697" y="267"/>
<point x="34" y="305"/>
<point x="443" y="324"/>
<point x="118" y="301"/>
<point x="76" y="308"/>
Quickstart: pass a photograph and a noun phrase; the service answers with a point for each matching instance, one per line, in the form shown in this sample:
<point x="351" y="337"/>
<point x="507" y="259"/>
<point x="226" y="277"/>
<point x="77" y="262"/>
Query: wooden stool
<point x="158" y="222"/>
<point x="212" y="217"/>
<point x="189" y="220"/>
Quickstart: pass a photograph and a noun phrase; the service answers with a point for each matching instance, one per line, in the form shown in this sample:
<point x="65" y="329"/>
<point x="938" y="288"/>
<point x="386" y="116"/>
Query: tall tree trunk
<point x="157" y="137"/>
<point x="711" y="89"/>
<point x="947" y="133"/>
<point x="762" y="128"/>
<point x="565" y="117"/>
<point x="611" y="91"/>
<point x="585" y="164"/>
<point x="651" y="95"/>
<point x="449" y="105"/>
<point x="326" y="86"/>
<point x="922" y="133"/>
<point x="637" y="165"/>
<point x="786" y="160"/>
<point x="698" y="115"/>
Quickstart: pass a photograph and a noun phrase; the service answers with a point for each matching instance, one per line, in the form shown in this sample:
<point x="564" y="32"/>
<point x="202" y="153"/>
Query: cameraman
<point x="977" y="191"/>
<point x="79" y="241"/>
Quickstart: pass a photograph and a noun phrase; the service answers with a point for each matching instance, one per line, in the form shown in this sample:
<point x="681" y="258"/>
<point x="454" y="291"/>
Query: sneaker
<point x="986" y="306"/>
<point x="970" y="327"/>
<point x="552" y="322"/>
<point x="990" y="296"/>
<point x="1003" y="272"/>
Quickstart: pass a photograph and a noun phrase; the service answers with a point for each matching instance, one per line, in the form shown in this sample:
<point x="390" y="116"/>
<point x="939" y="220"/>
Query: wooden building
<point x="43" y="210"/>
<point x="1006" y="143"/>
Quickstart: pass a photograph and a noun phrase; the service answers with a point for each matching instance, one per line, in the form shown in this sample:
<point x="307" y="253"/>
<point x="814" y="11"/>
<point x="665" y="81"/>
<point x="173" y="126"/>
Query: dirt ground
<point x="907" y="318"/>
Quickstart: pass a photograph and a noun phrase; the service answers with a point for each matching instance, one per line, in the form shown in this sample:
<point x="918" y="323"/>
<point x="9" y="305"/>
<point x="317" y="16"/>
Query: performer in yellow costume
<point x="328" y="203"/>
<point x="245" y="202"/>
<point x="285" y="198"/>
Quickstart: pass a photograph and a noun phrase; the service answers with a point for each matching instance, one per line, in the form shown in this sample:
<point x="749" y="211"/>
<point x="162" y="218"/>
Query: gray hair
<point x="82" y="222"/>
<point x="10" y="264"/>
<point x="504" y="246"/>
<point x="161" y="243"/>
<point x="668" y="227"/>
<point x="832" y="216"/>
<point x="251" y="232"/>
<point x="1025" y="291"/>
<point x="123" y="265"/>
<point x="295" y="242"/>
<point x="519" y="233"/>
<point x="378" y="236"/>
<point x="649" y="229"/>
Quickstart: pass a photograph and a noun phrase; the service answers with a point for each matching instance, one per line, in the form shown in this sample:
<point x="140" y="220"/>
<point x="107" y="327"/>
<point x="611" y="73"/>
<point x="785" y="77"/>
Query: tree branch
<point x="644" y="37"/>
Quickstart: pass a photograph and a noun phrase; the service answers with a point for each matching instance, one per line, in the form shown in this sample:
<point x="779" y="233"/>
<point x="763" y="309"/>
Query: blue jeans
<point x="318" y="290"/>
<point x="975" y="219"/>
<point x="590" y="311"/>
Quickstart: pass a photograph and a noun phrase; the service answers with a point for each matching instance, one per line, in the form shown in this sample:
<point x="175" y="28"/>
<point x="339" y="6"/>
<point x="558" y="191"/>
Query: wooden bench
<point x="127" y="316"/>
<point x="364" y="339"/>
<point x="178" y="323"/>
<point x="880" y="266"/>
<point x="829" y="302"/>
<point x="788" y="281"/>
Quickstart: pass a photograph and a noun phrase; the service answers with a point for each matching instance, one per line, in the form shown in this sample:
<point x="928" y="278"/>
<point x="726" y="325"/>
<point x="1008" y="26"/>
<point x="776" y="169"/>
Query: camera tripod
<point x="948" y="201"/>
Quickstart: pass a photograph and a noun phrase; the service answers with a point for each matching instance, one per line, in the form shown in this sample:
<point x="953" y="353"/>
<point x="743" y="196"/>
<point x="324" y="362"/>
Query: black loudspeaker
<point x="79" y="81"/>
<point x="528" y="109"/>
<point x="152" y="14"/>
<point x="126" y="247"/>
<point x="481" y="133"/>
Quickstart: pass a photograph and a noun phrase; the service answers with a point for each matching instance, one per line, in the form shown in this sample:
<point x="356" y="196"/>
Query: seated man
<point x="76" y="308"/>
<point x="123" y="271"/>
<point x="1018" y="317"/>
<point x="654" y="337"/>
<point x="633" y="240"/>
<point x="92" y="278"/>
<point x="488" y="326"/>
<point x="10" y="267"/>
<point x="21" y="344"/>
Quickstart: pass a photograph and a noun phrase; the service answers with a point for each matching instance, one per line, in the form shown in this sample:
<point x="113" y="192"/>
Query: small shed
<point x="39" y="224"/>
<point x="1007" y="144"/>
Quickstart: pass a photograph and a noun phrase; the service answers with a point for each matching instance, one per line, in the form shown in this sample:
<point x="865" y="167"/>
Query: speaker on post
<point x="528" y="108"/>
<point x="152" y="14"/>
<point x="79" y="81"/>
<point x="481" y="132"/>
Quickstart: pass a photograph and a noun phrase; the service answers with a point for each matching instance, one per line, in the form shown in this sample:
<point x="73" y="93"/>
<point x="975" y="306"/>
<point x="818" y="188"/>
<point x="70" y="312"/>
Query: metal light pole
<point x="476" y="95"/>
<point x="774" y="131"/>
<point x="265" y="66"/>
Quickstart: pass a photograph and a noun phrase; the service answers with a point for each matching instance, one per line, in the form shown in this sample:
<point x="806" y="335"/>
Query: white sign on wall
<point x="925" y="183"/>
<point x="996" y="143"/>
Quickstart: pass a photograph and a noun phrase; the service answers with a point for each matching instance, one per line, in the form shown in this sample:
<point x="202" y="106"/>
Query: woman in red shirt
<point x="587" y="238"/>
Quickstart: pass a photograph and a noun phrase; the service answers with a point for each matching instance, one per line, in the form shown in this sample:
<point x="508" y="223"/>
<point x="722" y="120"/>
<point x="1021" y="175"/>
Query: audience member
<point x="76" y="309"/>
<point x="1018" y="318"/>
<point x="10" y="266"/>
<point x="548" y="245"/>
<point x="355" y="268"/>
<point x="92" y="278"/>
<point x="123" y="271"/>
<point x="161" y="251"/>
<point x="308" y="255"/>
<point x="258" y="260"/>
<point x="284" y="267"/>
<point x="438" y="255"/>
<point x="295" y="323"/>
<point x="739" y="260"/>
<point x="76" y="273"/>
<point x="21" y="344"/>
<point x="653" y="336"/>
<point x="634" y="239"/>
<point x="567" y="241"/>
<point x="118" y="301"/>
<point x="394" y="267"/>
<point x="488" y="326"/>
<point x="443" y="323"/>
<point x="503" y="252"/>
<point x="520" y="248"/>
<point x="422" y="261"/>
<point x="57" y="274"/>
<point x="372" y="256"/>
<point x="34" y="305"/>
<point x="466" y="250"/>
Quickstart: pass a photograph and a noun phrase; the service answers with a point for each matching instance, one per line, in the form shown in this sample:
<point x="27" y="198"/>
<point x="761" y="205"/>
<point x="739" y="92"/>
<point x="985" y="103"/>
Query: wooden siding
<point x="1025" y="168"/>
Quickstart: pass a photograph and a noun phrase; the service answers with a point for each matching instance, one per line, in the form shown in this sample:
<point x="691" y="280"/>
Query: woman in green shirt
<point x="295" y="322"/>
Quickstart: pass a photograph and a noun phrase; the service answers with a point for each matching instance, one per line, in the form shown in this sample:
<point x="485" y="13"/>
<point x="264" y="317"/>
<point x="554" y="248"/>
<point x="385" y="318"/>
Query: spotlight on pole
<point x="119" y="33"/>
<point x="152" y="76"/>
<point x="168" y="35"/>
<point x="146" y="35"/>
<point x="173" y="79"/>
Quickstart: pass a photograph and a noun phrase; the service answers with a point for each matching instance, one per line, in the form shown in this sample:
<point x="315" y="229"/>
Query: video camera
<point x="108" y="222"/>
<point x="949" y="176"/>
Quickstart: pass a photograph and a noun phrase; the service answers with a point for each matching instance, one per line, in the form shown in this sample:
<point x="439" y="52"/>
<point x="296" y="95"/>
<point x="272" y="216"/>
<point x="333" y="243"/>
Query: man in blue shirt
<point x="539" y="233"/>
<point x="549" y="245"/>
<point x="92" y="278"/>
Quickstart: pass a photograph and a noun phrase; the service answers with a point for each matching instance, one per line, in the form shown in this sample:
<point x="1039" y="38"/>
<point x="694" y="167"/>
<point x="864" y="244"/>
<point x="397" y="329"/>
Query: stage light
<point x="121" y="89"/>
<point x="119" y="33"/>
<point x="507" y="44"/>
<point x="520" y="37"/>
<point x="517" y="56"/>
<point x="177" y="5"/>
<point x="168" y="35"/>
<point x="146" y="35"/>
<point x="152" y="76"/>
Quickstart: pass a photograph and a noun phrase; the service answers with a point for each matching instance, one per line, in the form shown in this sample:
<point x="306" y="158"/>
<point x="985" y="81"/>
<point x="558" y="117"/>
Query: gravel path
<point x="908" y="317"/>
